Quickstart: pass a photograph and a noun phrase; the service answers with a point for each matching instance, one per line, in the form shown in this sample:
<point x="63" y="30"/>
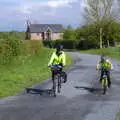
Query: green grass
<point x="111" y="52"/>
<point x="25" y="72"/>
<point x="118" y="116"/>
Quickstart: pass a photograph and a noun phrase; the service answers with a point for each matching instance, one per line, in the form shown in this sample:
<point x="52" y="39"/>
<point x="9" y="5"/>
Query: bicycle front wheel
<point x="104" y="86"/>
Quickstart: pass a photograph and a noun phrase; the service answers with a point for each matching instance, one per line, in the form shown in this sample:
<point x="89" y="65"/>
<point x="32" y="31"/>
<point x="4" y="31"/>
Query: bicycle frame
<point x="56" y="69"/>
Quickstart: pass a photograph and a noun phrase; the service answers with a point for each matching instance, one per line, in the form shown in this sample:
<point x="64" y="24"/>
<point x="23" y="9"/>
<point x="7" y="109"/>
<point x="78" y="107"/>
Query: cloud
<point x="48" y="11"/>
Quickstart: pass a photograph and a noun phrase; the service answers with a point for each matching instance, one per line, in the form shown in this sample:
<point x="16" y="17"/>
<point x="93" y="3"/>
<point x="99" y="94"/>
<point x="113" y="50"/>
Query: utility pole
<point x="101" y="38"/>
<point x="108" y="42"/>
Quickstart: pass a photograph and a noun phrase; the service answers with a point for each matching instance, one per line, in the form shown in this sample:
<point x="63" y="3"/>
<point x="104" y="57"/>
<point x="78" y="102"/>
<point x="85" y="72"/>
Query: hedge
<point x="71" y="44"/>
<point x="12" y="47"/>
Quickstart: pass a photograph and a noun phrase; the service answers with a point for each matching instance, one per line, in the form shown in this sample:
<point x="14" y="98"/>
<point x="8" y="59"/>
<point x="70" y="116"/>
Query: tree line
<point x="102" y="25"/>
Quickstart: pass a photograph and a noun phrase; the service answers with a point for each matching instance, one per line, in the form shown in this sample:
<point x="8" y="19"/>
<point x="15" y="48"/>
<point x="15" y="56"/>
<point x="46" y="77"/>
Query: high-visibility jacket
<point x="105" y="65"/>
<point x="55" y="59"/>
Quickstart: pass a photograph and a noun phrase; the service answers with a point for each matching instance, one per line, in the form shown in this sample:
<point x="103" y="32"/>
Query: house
<point x="44" y="31"/>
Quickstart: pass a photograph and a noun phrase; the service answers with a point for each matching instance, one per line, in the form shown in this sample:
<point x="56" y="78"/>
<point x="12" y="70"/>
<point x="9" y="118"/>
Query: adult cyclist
<point x="105" y="66"/>
<point x="58" y="58"/>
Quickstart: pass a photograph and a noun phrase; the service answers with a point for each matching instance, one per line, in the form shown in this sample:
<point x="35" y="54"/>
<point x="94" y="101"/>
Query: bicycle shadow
<point x="39" y="91"/>
<point x="89" y="89"/>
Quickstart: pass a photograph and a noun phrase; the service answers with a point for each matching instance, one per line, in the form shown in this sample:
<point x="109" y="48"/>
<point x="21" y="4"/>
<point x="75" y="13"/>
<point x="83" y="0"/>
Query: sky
<point x="14" y="13"/>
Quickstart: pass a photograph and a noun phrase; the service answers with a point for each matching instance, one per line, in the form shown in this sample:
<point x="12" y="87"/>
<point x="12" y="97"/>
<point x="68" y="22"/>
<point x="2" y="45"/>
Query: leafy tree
<point x="69" y="33"/>
<point x="102" y="15"/>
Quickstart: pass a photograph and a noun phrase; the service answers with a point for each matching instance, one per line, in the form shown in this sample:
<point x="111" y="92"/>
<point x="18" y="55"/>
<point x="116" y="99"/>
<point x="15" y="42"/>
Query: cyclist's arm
<point x="64" y="59"/>
<point x="111" y="66"/>
<point x="98" y="66"/>
<point x="51" y="59"/>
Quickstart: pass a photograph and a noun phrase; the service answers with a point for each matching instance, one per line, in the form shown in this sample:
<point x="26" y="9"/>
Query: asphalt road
<point x="80" y="99"/>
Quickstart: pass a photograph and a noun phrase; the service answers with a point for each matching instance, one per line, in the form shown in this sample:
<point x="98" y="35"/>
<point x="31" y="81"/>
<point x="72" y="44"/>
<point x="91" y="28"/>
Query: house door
<point x="49" y="33"/>
<point x="43" y="36"/>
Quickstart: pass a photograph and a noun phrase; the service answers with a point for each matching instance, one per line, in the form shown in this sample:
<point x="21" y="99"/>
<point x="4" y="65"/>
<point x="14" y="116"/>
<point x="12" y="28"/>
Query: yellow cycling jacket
<point x="58" y="59"/>
<point x="107" y="64"/>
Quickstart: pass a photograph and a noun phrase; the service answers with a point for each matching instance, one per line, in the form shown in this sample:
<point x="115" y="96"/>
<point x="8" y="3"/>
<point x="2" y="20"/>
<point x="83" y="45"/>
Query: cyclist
<point x="58" y="58"/>
<point x="105" y="66"/>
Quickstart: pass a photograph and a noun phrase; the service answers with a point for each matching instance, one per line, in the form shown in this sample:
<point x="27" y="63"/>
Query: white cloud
<point x="27" y="7"/>
<point x="26" y="10"/>
<point x="60" y="3"/>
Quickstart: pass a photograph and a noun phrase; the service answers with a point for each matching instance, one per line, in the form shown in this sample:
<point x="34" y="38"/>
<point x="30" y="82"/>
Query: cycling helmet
<point x="102" y="58"/>
<point x="59" y="47"/>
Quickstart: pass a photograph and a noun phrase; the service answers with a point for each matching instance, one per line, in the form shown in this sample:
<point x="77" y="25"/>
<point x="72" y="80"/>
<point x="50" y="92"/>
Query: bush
<point x="9" y="48"/>
<point x="31" y="47"/>
<point x="67" y="44"/>
<point x="86" y="44"/>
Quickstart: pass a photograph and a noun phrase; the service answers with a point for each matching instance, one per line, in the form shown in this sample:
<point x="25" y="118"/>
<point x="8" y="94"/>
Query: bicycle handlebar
<point x="56" y="66"/>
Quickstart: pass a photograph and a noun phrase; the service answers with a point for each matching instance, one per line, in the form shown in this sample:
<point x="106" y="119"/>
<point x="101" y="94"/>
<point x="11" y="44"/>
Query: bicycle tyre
<point x="54" y="87"/>
<point x="104" y="86"/>
<point x="59" y="84"/>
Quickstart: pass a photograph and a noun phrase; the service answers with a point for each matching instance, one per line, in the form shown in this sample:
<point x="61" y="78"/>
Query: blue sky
<point x="14" y="13"/>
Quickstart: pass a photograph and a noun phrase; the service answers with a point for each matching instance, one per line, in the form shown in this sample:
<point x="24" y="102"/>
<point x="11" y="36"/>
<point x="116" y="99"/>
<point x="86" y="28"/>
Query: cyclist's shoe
<point x="65" y="81"/>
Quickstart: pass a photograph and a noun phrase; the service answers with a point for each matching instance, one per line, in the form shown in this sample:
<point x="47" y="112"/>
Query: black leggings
<point x="63" y="74"/>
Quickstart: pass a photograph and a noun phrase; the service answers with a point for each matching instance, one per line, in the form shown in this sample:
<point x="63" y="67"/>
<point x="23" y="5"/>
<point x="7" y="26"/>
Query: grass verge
<point x="111" y="52"/>
<point x="118" y="116"/>
<point x="25" y="72"/>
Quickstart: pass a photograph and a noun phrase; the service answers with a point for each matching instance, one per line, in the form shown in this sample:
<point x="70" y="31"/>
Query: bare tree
<point x="99" y="10"/>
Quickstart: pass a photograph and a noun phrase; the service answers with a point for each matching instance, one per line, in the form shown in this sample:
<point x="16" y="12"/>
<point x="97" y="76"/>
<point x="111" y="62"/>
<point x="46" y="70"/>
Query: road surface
<point x="80" y="99"/>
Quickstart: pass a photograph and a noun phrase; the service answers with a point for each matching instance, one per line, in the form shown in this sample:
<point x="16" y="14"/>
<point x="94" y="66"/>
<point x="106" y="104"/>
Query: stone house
<point x="44" y="31"/>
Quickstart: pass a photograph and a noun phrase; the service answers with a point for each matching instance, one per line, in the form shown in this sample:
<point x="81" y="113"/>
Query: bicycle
<point x="58" y="78"/>
<point x="104" y="83"/>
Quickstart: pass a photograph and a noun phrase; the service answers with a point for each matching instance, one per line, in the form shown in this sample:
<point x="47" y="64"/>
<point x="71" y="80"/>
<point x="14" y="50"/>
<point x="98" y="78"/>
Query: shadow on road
<point x="88" y="89"/>
<point x="39" y="91"/>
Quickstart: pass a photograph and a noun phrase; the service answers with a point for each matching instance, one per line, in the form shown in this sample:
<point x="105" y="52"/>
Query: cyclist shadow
<point x="42" y="92"/>
<point x="89" y="89"/>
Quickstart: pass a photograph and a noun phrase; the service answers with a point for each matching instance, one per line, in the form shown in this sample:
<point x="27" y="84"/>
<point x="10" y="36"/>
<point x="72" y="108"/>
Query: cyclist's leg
<point x="64" y="75"/>
<point x="108" y="77"/>
<point x="101" y="77"/>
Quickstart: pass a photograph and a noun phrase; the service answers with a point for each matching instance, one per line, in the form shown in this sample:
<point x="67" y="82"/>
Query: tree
<point x="119" y="9"/>
<point x="99" y="10"/>
<point x="69" y="33"/>
<point x="102" y="14"/>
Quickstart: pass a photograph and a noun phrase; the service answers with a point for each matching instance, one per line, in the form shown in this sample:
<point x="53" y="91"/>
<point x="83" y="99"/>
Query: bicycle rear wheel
<point x="54" y="87"/>
<point x="59" y="84"/>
